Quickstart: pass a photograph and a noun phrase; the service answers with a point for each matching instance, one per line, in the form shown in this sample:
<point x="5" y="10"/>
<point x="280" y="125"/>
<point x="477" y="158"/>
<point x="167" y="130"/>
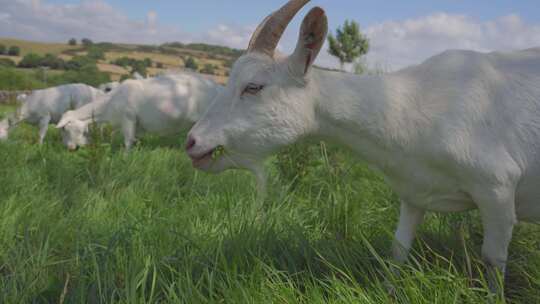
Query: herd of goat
<point x="457" y="132"/>
<point x="162" y="105"/>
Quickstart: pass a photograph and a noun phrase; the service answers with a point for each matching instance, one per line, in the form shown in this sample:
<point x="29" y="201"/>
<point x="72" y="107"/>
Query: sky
<point x="401" y="33"/>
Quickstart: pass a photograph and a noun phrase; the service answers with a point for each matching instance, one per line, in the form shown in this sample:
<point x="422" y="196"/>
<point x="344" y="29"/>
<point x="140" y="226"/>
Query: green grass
<point x="104" y="226"/>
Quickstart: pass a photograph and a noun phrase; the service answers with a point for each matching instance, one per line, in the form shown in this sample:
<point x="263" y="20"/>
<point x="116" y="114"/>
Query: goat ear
<point x="62" y="123"/>
<point x="312" y="36"/>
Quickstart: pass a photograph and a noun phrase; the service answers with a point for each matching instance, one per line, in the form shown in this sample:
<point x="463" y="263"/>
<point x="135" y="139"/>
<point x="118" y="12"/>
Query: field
<point x="170" y="57"/>
<point x="101" y="225"/>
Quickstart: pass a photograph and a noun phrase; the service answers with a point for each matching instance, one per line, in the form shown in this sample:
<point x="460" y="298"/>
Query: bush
<point x="159" y="65"/>
<point x="30" y="60"/>
<point x="72" y="41"/>
<point x="124" y="77"/>
<point x="139" y="67"/>
<point x="190" y="63"/>
<point x="209" y="69"/>
<point x="2" y="49"/>
<point x="77" y="62"/>
<point x="123" y="61"/>
<point x="6" y="62"/>
<point x="148" y="62"/>
<point x="53" y="62"/>
<point x="14" y="51"/>
<point x="87" y="42"/>
<point x="88" y="74"/>
<point x="11" y="79"/>
<point x="96" y="53"/>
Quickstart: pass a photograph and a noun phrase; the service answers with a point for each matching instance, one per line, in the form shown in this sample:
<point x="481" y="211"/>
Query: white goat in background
<point x="163" y="105"/>
<point x="460" y="131"/>
<point x="47" y="106"/>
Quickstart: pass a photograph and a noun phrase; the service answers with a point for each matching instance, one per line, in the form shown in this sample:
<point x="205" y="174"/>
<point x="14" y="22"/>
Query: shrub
<point x="78" y="62"/>
<point x="14" y="51"/>
<point x="159" y="65"/>
<point x="72" y="41"/>
<point x="96" y="53"/>
<point x="88" y="74"/>
<point x="125" y="77"/>
<point x="148" y="62"/>
<point x="87" y="42"/>
<point x="53" y="62"/>
<point x="209" y="69"/>
<point x="2" y="49"/>
<point x="190" y="63"/>
<point x="123" y="61"/>
<point x="30" y="60"/>
<point x="139" y="67"/>
<point x="11" y="79"/>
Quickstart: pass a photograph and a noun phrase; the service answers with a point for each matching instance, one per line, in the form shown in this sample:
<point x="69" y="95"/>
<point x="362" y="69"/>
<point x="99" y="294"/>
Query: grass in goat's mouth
<point x="218" y="152"/>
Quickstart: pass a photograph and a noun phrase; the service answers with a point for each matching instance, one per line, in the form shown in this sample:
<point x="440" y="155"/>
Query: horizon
<point x="400" y="34"/>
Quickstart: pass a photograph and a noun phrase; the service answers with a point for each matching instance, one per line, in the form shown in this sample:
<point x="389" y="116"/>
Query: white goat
<point x="460" y="131"/>
<point x="47" y="106"/>
<point x="163" y="105"/>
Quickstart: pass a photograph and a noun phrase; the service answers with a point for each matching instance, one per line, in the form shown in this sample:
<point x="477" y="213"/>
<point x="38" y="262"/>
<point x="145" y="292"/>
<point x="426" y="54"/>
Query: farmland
<point x="167" y="57"/>
<point x="102" y="225"/>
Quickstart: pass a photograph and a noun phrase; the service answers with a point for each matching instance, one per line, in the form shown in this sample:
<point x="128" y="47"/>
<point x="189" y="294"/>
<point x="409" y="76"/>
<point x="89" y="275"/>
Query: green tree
<point x="14" y="51"/>
<point x="348" y="44"/>
<point x="2" y="49"/>
<point x="87" y="42"/>
<point x="191" y="64"/>
<point x="72" y="41"/>
<point x="30" y="60"/>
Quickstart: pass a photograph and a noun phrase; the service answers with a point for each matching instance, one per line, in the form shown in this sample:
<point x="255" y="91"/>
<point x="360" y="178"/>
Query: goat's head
<point x="74" y="132"/>
<point x="267" y="102"/>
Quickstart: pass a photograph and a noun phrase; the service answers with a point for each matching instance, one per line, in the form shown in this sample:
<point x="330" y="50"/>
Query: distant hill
<point x="212" y="59"/>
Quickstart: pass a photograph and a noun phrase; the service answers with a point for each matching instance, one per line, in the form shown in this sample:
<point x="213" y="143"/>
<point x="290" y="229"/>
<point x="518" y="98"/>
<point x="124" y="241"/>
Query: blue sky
<point x="202" y="15"/>
<point x="401" y="32"/>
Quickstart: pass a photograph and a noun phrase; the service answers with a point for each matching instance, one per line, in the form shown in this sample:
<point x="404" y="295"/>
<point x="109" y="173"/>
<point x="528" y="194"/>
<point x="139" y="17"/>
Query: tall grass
<point x="104" y="226"/>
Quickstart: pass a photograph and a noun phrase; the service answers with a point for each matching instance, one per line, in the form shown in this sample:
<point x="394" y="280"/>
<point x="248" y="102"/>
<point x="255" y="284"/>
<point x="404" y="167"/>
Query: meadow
<point x="101" y="225"/>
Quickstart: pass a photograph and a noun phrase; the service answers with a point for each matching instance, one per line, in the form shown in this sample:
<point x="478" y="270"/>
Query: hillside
<point x="166" y="57"/>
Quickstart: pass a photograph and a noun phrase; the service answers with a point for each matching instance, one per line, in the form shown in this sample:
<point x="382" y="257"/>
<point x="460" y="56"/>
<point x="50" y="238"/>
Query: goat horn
<point x="266" y="37"/>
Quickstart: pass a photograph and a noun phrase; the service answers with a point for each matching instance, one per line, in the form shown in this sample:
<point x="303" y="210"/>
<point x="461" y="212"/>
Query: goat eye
<point x="252" y="89"/>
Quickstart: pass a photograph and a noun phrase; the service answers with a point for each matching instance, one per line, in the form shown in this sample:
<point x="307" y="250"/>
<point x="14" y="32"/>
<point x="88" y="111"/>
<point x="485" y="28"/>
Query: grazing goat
<point x="47" y="106"/>
<point x="457" y="132"/>
<point x="163" y="105"/>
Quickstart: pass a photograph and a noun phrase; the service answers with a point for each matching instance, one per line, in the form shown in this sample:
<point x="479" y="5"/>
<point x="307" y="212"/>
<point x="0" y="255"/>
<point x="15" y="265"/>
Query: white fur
<point x="47" y="106"/>
<point x="460" y="131"/>
<point x="162" y="105"/>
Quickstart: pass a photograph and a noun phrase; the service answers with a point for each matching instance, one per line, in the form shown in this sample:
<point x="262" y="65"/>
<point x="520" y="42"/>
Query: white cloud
<point x="95" y="19"/>
<point x="399" y="44"/>
<point x="393" y="43"/>
<point x="233" y="36"/>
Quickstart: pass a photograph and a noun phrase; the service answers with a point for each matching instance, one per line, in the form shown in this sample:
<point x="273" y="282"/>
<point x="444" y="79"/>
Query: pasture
<point x="104" y="226"/>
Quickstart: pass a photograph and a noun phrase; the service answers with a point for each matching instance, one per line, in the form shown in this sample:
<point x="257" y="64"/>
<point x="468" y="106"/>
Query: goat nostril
<point x="190" y="143"/>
